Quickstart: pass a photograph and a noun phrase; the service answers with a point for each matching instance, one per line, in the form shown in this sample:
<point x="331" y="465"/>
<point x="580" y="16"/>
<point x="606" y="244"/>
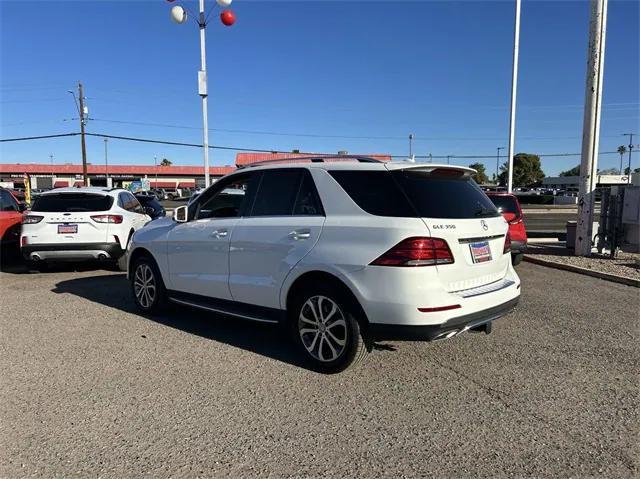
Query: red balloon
<point x="228" y="17"/>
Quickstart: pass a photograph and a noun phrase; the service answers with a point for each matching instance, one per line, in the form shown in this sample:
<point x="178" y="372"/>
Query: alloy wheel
<point x="322" y="328"/>
<point x="144" y="285"/>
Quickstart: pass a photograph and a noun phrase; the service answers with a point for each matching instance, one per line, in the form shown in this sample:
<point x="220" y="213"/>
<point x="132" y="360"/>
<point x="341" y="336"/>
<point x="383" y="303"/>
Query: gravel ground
<point x="90" y="388"/>
<point x="625" y="264"/>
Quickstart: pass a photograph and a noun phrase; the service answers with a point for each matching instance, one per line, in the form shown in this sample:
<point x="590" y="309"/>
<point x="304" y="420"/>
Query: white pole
<point x="202" y="91"/>
<point x="591" y="126"/>
<point x="514" y="88"/>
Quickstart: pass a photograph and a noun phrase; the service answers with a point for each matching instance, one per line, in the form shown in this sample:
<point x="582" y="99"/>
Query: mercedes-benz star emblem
<point x="484" y="224"/>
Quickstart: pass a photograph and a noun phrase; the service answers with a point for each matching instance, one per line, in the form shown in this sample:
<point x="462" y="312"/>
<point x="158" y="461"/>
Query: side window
<point x="122" y="200"/>
<point x="277" y="193"/>
<point x="308" y="201"/>
<point x="228" y="200"/>
<point x="7" y="202"/>
<point x="134" y="204"/>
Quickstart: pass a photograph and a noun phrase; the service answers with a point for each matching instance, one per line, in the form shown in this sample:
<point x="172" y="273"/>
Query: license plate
<point x="480" y="252"/>
<point x="67" y="229"/>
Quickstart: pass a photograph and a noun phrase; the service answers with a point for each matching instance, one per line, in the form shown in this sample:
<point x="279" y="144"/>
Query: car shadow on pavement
<point x="264" y="339"/>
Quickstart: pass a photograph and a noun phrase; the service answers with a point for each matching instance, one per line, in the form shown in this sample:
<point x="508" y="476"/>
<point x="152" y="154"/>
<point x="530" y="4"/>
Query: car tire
<point x="324" y="326"/>
<point x="147" y="287"/>
<point x="516" y="258"/>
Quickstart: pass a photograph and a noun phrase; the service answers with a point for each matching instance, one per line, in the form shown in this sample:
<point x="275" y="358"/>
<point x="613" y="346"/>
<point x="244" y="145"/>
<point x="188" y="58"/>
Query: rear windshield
<point x="505" y="204"/>
<point x="69" y="202"/>
<point x="411" y="193"/>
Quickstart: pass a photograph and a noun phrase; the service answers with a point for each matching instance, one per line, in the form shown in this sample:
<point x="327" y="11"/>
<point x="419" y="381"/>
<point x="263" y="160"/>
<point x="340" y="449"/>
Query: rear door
<point x="455" y="209"/>
<point x="283" y="226"/>
<point x="67" y="218"/>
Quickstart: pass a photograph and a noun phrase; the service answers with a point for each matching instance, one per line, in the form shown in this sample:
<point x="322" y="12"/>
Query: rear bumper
<point x="449" y="328"/>
<point x="72" y="251"/>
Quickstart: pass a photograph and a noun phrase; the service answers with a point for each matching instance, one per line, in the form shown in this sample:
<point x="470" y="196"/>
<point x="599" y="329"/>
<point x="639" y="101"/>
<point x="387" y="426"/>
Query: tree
<point x="527" y="170"/>
<point x="481" y="175"/>
<point x="166" y="162"/>
<point x="575" y="171"/>
<point x="635" y="170"/>
<point x="622" y="150"/>
<point x="608" y="171"/>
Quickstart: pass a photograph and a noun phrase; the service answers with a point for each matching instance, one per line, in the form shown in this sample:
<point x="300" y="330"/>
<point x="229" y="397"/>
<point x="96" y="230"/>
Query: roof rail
<point x="312" y="159"/>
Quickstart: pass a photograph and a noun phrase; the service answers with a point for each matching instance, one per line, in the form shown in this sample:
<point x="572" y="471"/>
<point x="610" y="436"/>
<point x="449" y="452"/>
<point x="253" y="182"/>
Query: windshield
<point x="70" y="202"/>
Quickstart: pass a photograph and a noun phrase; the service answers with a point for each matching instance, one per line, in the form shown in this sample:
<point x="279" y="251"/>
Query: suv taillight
<point x="417" y="251"/>
<point x="31" y="219"/>
<point x="507" y="244"/>
<point x="117" y="219"/>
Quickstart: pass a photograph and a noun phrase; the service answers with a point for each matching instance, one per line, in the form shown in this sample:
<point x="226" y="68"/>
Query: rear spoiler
<point x="430" y="168"/>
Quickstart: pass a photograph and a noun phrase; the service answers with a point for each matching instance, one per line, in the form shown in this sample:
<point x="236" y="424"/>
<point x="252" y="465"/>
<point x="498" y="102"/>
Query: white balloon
<point x="224" y="3"/>
<point x="178" y="14"/>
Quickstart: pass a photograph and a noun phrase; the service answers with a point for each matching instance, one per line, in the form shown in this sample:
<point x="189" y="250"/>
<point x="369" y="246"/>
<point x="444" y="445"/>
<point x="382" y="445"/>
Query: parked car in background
<point x="11" y="213"/>
<point x="342" y="252"/>
<point x="80" y="224"/>
<point x="509" y="206"/>
<point x="151" y="205"/>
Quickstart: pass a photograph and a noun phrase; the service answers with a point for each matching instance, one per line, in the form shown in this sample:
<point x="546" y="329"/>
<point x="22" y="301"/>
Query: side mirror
<point x="149" y="211"/>
<point x="181" y="214"/>
<point x="22" y="207"/>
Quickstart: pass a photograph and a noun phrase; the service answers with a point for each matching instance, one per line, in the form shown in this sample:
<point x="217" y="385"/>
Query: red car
<point x="509" y="206"/>
<point x="11" y="211"/>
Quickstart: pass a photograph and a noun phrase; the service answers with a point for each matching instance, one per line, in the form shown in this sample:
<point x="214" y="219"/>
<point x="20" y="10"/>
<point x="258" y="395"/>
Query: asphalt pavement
<point x="91" y="388"/>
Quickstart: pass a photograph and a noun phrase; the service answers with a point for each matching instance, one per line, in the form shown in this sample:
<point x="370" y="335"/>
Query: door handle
<point x="300" y="234"/>
<point x="221" y="233"/>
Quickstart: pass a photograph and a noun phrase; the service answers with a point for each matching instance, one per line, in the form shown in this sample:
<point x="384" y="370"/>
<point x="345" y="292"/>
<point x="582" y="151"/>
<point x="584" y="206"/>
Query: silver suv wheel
<point x="144" y="285"/>
<point x="322" y="328"/>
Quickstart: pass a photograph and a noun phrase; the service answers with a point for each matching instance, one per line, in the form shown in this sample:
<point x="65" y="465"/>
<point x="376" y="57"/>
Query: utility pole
<point x="630" y="135"/>
<point x="410" y="145"/>
<point x="83" y="122"/>
<point x="498" y="163"/>
<point x="514" y="89"/>
<point x="448" y="159"/>
<point x="591" y="126"/>
<point x="51" y="158"/>
<point x="106" y="163"/>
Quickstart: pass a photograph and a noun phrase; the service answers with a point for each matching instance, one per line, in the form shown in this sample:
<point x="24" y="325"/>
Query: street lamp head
<point x="228" y="18"/>
<point x="178" y="14"/>
<point x="224" y="3"/>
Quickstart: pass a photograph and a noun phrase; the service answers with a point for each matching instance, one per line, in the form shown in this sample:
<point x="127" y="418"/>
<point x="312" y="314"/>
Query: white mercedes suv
<point x="80" y="224"/>
<point x="343" y="252"/>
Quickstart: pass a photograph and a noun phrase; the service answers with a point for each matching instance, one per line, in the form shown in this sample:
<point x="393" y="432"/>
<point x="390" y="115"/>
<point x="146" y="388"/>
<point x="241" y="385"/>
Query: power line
<point x="262" y="150"/>
<point x="25" y="138"/>
<point x="316" y="135"/>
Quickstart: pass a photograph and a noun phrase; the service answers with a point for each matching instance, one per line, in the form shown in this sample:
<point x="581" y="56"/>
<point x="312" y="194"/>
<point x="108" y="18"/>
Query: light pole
<point x="514" y="89"/>
<point x="227" y="17"/>
<point x="155" y="167"/>
<point x="630" y="135"/>
<point x="498" y="163"/>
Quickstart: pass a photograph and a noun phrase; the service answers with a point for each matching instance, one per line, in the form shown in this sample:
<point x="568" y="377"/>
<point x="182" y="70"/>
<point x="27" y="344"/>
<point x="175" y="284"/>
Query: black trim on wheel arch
<point x="385" y="331"/>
